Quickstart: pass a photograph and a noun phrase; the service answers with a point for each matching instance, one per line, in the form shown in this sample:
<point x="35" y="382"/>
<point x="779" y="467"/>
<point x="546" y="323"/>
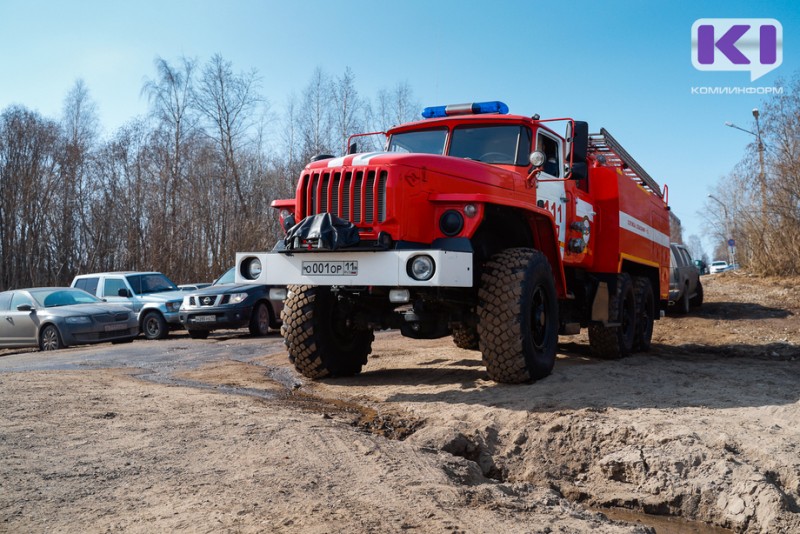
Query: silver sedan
<point x="56" y="317"/>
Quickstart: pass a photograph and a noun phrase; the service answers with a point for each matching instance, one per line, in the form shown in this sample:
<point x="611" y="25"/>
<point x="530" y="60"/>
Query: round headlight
<point x="470" y="210"/>
<point x="254" y="268"/>
<point x="421" y="268"/>
<point x="451" y="223"/>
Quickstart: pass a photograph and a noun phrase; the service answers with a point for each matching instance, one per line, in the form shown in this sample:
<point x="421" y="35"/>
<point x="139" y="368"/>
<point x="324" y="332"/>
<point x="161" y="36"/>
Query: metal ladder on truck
<point x="611" y="152"/>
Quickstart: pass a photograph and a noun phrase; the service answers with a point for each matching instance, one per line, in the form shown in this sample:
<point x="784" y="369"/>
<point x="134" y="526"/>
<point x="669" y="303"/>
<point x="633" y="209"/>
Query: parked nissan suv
<point x="685" y="288"/>
<point x="227" y="305"/>
<point x="154" y="297"/>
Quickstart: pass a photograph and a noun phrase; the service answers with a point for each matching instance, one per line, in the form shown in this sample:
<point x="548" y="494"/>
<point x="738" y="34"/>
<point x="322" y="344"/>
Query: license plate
<point x="116" y="327"/>
<point x="330" y="268"/>
<point x="204" y="318"/>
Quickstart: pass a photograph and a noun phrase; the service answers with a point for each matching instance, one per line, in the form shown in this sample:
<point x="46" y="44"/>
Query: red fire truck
<point x="492" y="228"/>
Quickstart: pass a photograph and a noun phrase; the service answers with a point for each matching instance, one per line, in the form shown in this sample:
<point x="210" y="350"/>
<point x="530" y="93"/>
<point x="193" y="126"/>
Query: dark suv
<point x="685" y="289"/>
<point x="227" y="305"/>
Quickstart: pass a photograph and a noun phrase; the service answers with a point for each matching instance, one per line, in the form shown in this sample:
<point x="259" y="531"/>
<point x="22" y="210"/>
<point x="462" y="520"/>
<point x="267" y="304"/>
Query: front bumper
<point x="215" y="318"/>
<point x="73" y="335"/>
<point x="173" y="319"/>
<point x="362" y="268"/>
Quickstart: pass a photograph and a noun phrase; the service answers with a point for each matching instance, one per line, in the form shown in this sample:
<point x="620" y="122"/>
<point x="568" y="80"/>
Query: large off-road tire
<point x="613" y="342"/>
<point x="50" y="338"/>
<point x="154" y="326"/>
<point x="518" y="316"/>
<point x="318" y="336"/>
<point x="645" y="313"/>
<point x="697" y="300"/>
<point x="260" y="319"/>
<point x="466" y="338"/>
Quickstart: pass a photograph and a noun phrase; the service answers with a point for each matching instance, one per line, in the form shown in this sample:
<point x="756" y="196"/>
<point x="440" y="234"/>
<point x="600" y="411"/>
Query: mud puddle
<point x="661" y="524"/>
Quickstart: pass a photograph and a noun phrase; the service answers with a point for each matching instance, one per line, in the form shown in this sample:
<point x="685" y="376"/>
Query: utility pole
<point x="729" y="237"/>
<point x="762" y="177"/>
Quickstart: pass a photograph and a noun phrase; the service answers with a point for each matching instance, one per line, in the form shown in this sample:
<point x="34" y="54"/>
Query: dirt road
<point x="221" y="435"/>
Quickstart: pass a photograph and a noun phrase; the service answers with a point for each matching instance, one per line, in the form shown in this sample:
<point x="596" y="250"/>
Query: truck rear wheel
<point x="319" y="339"/>
<point x="518" y="316"/>
<point x="645" y="313"/>
<point x="613" y="342"/>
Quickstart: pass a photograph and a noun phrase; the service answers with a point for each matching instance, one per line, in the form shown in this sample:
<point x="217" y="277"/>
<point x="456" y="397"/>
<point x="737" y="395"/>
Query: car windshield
<point x="143" y="284"/>
<point x="229" y="277"/>
<point x="419" y="142"/>
<point x="53" y="298"/>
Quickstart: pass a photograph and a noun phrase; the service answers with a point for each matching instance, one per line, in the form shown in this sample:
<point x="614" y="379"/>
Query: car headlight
<point x="237" y="298"/>
<point x="80" y="319"/>
<point x="174" y="306"/>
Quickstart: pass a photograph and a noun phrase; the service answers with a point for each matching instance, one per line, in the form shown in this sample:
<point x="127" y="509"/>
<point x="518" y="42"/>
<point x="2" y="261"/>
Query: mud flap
<point x="600" y="304"/>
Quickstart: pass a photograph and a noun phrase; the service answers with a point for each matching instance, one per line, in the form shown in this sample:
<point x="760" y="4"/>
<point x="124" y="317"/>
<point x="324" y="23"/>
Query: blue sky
<point x="621" y="64"/>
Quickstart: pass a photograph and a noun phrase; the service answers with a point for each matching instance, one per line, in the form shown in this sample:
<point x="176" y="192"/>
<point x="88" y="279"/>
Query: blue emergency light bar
<point x="475" y="108"/>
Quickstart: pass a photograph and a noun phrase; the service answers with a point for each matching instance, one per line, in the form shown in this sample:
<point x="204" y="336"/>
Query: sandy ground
<point x="703" y="428"/>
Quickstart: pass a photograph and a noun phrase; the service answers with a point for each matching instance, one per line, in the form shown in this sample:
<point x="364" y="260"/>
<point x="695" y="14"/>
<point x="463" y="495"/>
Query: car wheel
<point x="50" y="339"/>
<point x="198" y="334"/>
<point x="154" y="326"/>
<point x="260" y="320"/>
<point x="697" y="300"/>
<point x="683" y="303"/>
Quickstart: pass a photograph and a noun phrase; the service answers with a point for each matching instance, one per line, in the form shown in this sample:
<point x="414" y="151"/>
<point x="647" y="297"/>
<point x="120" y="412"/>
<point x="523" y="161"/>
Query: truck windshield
<point x="419" y="142"/>
<point x="505" y="145"/>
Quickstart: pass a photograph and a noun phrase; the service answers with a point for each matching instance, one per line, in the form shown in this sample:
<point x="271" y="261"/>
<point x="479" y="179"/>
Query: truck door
<point x="550" y="191"/>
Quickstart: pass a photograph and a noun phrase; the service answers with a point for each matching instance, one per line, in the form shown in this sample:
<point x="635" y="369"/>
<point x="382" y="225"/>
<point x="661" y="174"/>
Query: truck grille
<point x="357" y="196"/>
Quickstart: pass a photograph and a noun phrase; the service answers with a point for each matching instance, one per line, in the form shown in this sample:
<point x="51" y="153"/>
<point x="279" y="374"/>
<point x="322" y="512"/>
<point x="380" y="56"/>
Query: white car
<point x="718" y="267"/>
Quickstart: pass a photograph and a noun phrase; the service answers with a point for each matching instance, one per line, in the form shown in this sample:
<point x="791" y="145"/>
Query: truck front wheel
<point x="466" y="337"/>
<point x="319" y="338"/>
<point x="518" y="316"/>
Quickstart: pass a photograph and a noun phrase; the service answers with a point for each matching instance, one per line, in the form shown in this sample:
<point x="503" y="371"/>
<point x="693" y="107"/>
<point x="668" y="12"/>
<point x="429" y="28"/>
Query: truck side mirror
<point x="123" y="292"/>
<point x="579" y="170"/>
<point x="352" y="149"/>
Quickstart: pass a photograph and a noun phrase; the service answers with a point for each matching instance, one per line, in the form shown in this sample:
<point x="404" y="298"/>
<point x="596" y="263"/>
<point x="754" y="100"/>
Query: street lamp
<point x="731" y="248"/>
<point x="762" y="177"/>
